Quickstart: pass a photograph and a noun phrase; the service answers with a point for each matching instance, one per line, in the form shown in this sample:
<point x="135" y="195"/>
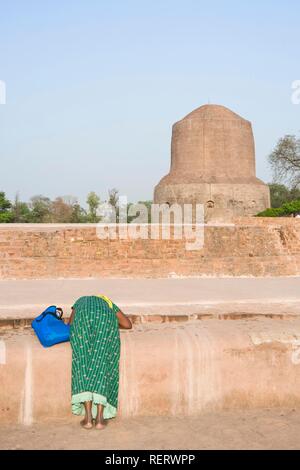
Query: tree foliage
<point x="288" y="209"/>
<point x="5" y="206"/>
<point x="285" y="161"/>
<point x="40" y="209"/>
<point x="281" y="194"/>
<point x="93" y="201"/>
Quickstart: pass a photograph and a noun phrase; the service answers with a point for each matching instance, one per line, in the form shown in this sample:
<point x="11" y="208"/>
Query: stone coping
<point x="246" y="221"/>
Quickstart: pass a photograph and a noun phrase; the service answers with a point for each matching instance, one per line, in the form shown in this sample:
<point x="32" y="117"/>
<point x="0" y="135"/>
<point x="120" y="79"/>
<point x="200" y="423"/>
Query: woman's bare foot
<point x="86" y="424"/>
<point x="100" y="423"/>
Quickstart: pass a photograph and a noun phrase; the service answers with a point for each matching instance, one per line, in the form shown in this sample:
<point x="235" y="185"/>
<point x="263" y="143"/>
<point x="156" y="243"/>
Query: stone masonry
<point x="251" y="247"/>
<point x="213" y="163"/>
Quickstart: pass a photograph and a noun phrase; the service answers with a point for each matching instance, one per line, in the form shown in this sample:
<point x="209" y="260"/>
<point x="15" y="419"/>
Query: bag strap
<point x="45" y="313"/>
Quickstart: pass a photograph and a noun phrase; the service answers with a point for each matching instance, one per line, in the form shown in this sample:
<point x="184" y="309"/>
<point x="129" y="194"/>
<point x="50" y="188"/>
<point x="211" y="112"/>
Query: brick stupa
<point x="213" y="163"/>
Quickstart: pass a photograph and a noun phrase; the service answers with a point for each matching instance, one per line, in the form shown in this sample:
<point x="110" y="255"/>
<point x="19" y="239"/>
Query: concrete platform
<point x="166" y="369"/>
<point x="171" y="362"/>
<point x="187" y="296"/>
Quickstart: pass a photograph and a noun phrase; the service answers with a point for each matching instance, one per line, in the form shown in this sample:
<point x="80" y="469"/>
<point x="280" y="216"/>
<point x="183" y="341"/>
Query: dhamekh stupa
<point x="213" y="163"/>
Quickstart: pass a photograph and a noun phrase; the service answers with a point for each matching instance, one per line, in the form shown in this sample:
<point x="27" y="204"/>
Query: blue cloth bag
<point x="50" y="328"/>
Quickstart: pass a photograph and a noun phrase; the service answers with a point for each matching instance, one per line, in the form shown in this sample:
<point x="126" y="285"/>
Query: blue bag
<point x="50" y="328"/>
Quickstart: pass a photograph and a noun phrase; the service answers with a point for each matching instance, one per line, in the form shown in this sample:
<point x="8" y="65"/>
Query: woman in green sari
<point x="95" y="343"/>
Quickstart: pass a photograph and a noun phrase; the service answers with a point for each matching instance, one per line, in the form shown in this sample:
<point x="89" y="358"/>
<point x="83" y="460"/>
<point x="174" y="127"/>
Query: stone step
<point x="22" y="299"/>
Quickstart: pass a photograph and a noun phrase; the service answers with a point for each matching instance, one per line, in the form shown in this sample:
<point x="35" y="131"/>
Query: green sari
<point x="95" y="343"/>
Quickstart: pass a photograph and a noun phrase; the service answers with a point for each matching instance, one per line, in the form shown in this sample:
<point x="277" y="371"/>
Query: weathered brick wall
<point x="252" y="247"/>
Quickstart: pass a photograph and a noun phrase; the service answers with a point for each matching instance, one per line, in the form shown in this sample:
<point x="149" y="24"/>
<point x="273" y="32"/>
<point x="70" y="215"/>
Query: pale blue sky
<point x="93" y="87"/>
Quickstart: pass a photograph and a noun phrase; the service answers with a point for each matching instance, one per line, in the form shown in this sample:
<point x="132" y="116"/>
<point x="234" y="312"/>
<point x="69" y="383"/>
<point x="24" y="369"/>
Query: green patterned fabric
<point x="95" y="342"/>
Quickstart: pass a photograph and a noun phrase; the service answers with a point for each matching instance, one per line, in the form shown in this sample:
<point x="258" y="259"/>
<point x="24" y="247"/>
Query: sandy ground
<point x="256" y="429"/>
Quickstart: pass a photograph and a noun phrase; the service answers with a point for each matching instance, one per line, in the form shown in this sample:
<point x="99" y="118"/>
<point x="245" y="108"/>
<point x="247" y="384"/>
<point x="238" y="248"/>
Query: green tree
<point x="148" y="204"/>
<point x="79" y="215"/>
<point x="5" y="209"/>
<point x="294" y="194"/>
<point x="5" y="204"/>
<point x="113" y="200"/>
<point x="113" y="197"/>
<point x="40" y="209"/>
<point x="281" y="194"/>
<point x="93" y="201"/>
<point x="285" y="161"/>
<point x="20" y="211"/>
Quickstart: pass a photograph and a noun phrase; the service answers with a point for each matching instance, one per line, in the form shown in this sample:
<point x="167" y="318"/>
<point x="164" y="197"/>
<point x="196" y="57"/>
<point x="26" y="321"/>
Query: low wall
<point x="164" y="370"/>
<point x="251" y="247"/>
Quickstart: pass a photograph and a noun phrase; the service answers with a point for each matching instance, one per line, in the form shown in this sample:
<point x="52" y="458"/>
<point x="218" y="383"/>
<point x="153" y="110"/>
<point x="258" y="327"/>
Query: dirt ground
<point x="258" y="429"/>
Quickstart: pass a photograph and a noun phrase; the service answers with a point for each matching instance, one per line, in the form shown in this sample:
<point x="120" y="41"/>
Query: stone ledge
<point x="143" y="319"/>
<point x="156" y="297"/>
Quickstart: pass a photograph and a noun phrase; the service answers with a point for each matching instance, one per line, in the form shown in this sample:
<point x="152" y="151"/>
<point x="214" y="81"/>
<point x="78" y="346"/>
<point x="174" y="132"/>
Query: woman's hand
<point x="71" y="316"/>
<point x="124" y="322"/>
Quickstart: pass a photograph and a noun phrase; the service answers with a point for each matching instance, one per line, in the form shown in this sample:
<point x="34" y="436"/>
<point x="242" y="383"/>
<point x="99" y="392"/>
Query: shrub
<point x="289" y="208"/>
<point x="278" y="212"/>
